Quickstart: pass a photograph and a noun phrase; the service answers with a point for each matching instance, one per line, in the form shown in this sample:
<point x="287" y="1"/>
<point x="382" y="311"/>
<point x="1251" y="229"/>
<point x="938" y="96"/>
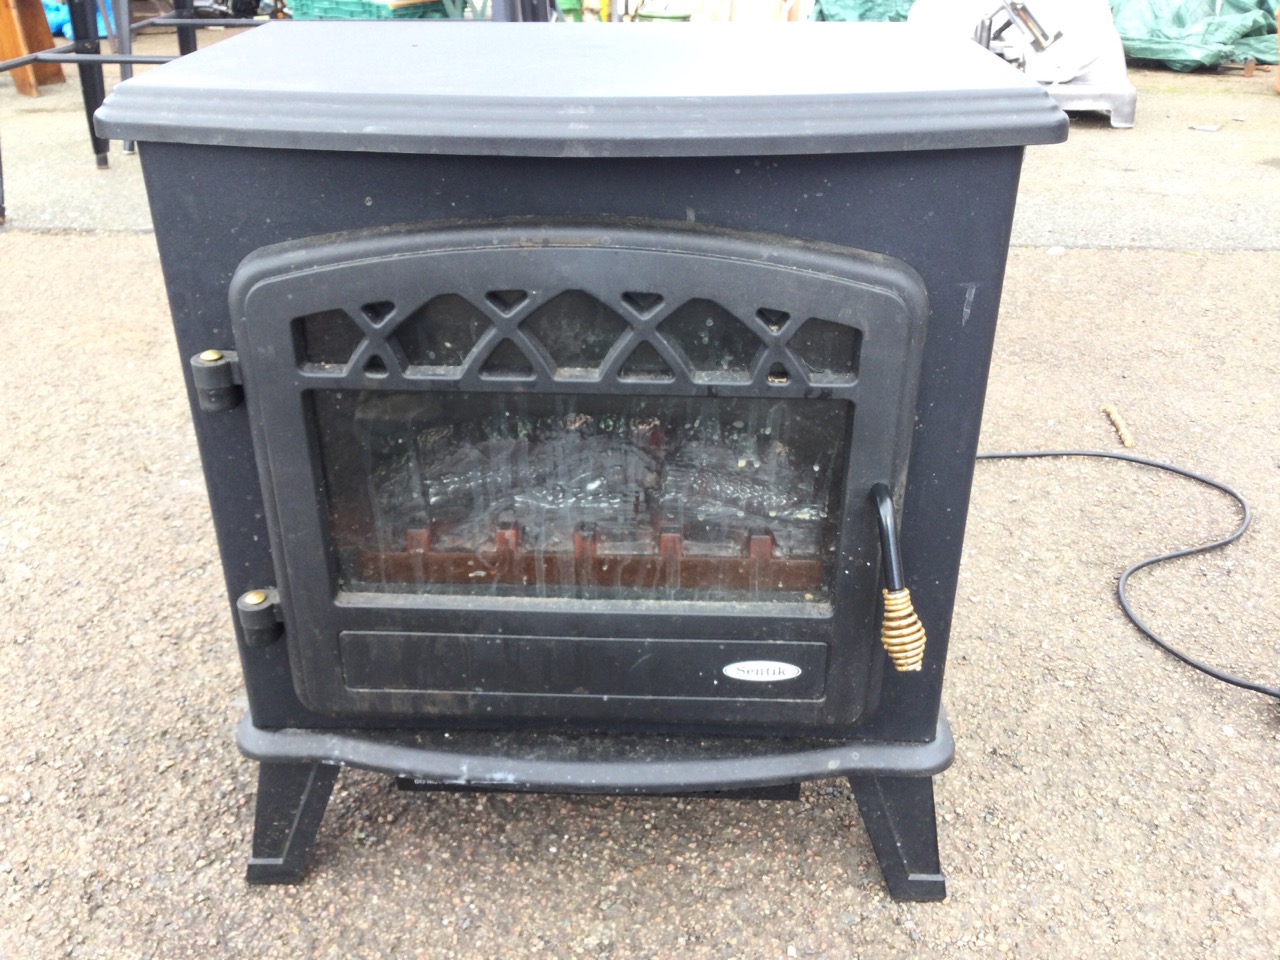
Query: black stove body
<point x="588" y="422"/>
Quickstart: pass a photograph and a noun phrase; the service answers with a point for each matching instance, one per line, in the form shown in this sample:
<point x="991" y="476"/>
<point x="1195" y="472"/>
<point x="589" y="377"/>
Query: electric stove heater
<point x="588" y="410"/>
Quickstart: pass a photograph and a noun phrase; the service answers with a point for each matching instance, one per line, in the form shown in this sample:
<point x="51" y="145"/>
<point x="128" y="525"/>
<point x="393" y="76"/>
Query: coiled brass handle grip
<point x="901" y="631"/>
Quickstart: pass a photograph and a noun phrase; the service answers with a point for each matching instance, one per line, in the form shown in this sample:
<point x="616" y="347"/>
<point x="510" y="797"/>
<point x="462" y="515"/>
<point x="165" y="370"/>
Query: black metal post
<point x="185" y="10"/>
<point x="535" y="11"/>
<point x="84" y="22"/>
<point x="291" y="802"/>
<point x="898" y="813"/>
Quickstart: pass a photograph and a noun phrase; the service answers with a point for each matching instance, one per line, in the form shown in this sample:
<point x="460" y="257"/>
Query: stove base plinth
<point x="899" y="816"/>
<point x="892" y="781"/>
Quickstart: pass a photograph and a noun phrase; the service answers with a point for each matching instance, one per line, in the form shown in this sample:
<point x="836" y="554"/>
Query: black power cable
<point x="1152" y="561"/>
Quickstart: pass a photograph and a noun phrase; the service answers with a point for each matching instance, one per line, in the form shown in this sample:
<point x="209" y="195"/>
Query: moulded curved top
<point x="562" y="90"/>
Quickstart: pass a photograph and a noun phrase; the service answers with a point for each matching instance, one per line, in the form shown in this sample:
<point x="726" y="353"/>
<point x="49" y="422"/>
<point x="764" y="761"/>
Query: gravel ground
<point x="1105" y="802"/>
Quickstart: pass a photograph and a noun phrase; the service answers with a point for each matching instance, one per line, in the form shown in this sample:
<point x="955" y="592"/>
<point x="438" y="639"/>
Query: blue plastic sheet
<point x="59" y="17"/>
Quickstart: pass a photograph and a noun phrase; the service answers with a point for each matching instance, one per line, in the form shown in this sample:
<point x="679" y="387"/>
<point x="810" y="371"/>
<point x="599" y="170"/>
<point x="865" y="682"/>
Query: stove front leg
<point x="900" y="819"/>
<point x="291" y="802"/>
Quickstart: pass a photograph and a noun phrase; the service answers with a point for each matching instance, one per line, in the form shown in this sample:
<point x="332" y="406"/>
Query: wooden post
<point x="24" y="30"/>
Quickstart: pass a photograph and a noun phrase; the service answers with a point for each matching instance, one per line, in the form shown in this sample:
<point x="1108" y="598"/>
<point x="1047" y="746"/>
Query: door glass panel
<point x="590" y="497"/>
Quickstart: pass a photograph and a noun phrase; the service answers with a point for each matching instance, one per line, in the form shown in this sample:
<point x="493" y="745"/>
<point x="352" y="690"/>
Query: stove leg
<point x="899" y="816"/>
<point x="291" y="802"/>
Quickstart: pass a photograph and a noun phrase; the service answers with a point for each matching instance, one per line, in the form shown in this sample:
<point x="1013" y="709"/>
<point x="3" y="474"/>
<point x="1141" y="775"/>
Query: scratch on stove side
<point x="970" y="291"/>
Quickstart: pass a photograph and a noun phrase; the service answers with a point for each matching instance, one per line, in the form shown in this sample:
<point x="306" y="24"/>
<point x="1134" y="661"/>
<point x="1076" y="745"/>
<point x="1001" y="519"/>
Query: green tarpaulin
<point x="861" y="9"/>
<point x="1182" y="34"/>
<point x="1185" y="34"/>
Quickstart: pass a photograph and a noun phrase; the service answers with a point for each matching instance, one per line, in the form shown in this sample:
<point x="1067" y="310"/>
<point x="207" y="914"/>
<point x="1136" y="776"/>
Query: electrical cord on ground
<point x="1121" y="593"/>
